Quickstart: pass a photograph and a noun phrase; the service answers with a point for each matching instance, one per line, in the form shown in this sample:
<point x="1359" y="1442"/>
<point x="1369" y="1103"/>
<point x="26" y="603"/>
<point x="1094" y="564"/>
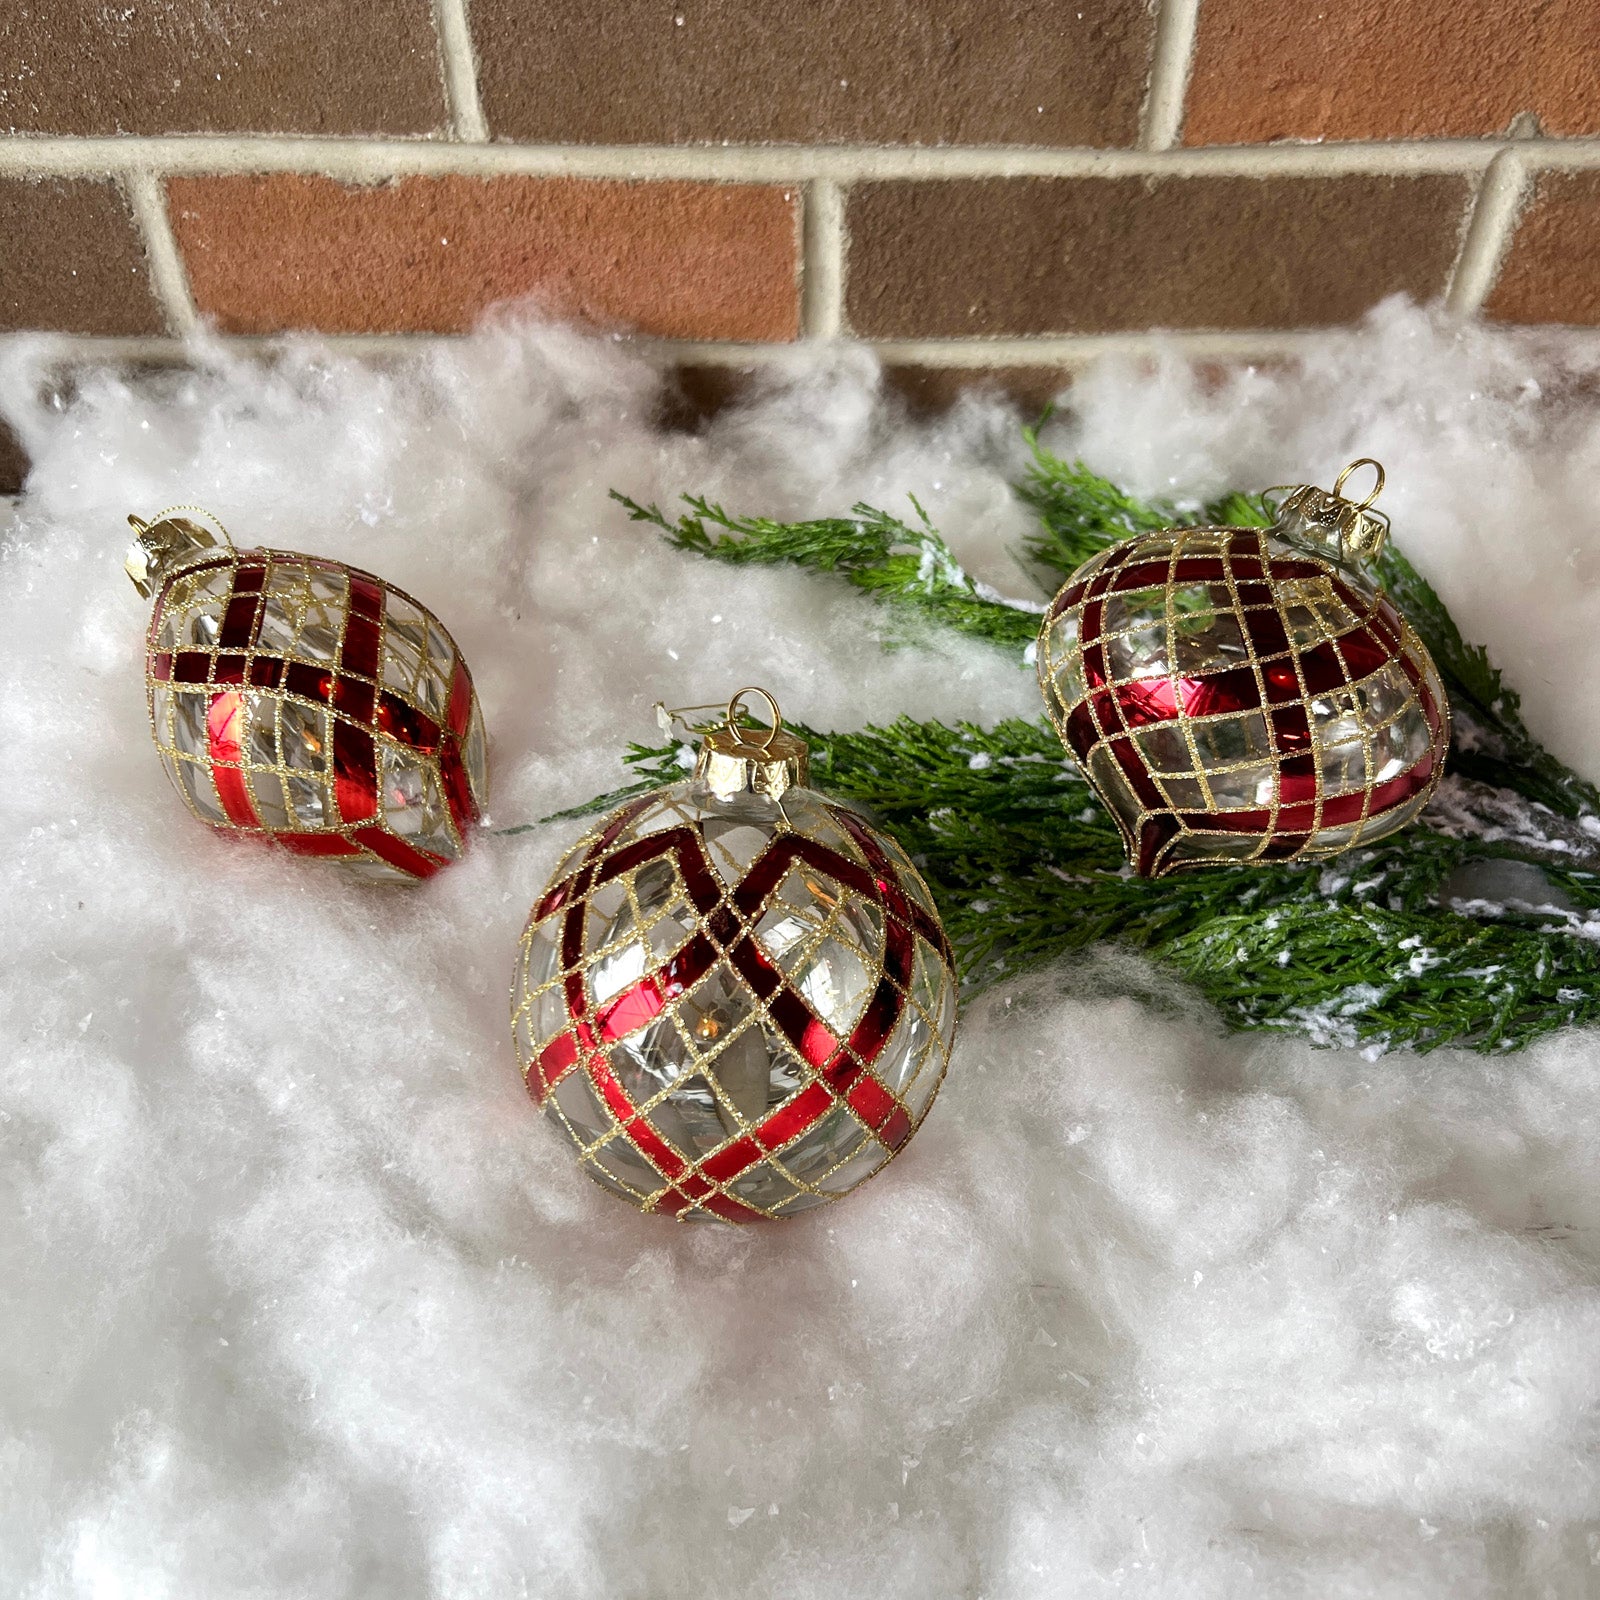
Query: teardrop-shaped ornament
<point x="307" y="703"/>
<point x="1246" y="695"/>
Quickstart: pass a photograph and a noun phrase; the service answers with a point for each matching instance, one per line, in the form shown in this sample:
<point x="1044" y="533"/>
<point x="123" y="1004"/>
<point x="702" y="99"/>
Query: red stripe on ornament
<point x="360" y="652"/>
<point x="191" y="666"/>
<point x="460" y="712"/>
<point x="841" y="1072"/>
<point x="355" y="776"/>
<point x="877" y="1022"/>
<point x="308" y="682"/>
<point x="880" y="1111"/>
<point x="897" y="1129"/>
<point x="1156" y="834"/>
<point x="796" y="1022"/>
<point x="1322" y="670"/>
<point x="226" y="716"/>
<point x="366" y="595"/>
<point x="636" y="1007"/>
<point x="1291" y="729"/>
<point x="234" y="793"/>
<point x="765" y="874"/>
<point x="406" y="724"/>
<point x="1254" y="821"/>
<point x="1158" y="573"/>
<point x="643" y="850"/>
<point x="1134" y="770"/>
<point x="798" y="1115"/>
<point x="1363" y="652"/>
<point x="553" y="1063"/>
<point x="1218" y="692"/>
<point x="886" y="874"/>
<point x="1297" y="778"/>
<point x="644" y="1000"/>
<point x="731" y="1210"/>
<point x="457" y="787"/>
<point x="1401" y="788"/>
<point x="399" y="854"/>
<point x="1281" y="846"/>
<point x="238" y="630"/>
<point x="750" y="961"/>
<point x="645" y="1139"/>
<point x="1147" y="701"/>
<point x="316" y="844"/>
<point x="1265" y="631"/>
<point x="355" y="698"/>
<point x="732" y="1159"/>
<point x="1082" y="733"/>
<point x="1066" y="600"/>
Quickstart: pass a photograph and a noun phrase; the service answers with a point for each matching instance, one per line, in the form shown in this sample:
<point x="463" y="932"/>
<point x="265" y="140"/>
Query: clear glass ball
<point x="735" y="1007"/>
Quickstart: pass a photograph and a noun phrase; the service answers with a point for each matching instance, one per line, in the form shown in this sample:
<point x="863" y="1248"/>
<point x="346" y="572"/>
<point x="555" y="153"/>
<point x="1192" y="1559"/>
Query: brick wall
<point x="973" y="185"/>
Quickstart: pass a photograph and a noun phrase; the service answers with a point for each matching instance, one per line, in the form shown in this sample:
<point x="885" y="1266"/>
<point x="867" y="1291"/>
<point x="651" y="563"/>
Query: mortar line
<point x="1495" y="210"/>
<point x="1171" y="61"/>
<point x="168" y="275"/>
<point x="822" y="260"/>
<point x="1053" y="350"/>
<point x="365" y="161"/>
<point x="460" y="71"/>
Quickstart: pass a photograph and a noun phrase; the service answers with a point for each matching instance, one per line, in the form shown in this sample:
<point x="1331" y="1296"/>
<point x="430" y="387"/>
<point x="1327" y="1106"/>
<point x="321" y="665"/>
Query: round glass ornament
<point x="735" y="996"/>
<point x="307" y="703"/>
<point x="1240" y="695"/>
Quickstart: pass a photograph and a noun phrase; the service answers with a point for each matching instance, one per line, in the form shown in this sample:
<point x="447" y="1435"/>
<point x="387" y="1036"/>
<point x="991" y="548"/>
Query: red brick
<point x="684" y="260"/>
<point x="1093" y="255"/>
<point x="1391" y="69"/>
<point x="1549" y="275"/>
<point x="225" y="66"/>
<point x="1036" y="72"/>
<point x="73" y="259"/>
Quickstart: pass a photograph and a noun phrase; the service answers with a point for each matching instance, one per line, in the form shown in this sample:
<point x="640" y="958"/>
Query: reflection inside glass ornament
<point x="722" y="1026"/>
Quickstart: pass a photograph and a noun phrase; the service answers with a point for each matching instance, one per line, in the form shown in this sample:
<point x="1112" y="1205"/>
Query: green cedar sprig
<point x="1406" y="943"/>
<point x="1026" y="867"/>
<point x="909" y="565"/>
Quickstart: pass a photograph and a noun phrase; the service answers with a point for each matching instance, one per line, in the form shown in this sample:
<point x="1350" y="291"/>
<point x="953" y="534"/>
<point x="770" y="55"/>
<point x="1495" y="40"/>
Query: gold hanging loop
<point x="139" y="525"/>
<point x="164" y="544"/>
<point x="1377" y="488"/>
<point x="1325" y="520"/>
<point x="733" y="718"/>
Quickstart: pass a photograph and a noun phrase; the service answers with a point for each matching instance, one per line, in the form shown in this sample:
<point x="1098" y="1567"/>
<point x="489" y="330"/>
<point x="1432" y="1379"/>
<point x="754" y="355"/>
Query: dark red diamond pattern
<point x="841" y="1068"/>
<point x="362" y="706"/>
<point x="1279" y="681"/>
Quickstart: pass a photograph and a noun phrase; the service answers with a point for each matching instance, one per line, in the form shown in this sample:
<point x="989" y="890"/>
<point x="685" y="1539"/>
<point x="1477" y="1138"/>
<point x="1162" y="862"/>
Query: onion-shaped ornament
<point x="1246" y="694"/>
<point x="735" y="996"/>
<point x="308" y="703"/>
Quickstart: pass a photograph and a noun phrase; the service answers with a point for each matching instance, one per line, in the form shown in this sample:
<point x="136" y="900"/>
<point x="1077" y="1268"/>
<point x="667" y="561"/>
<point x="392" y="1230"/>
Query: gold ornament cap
<point x="1323" y="520"/>
<point x="734" y="760"/>
<point x="171" y="542"/>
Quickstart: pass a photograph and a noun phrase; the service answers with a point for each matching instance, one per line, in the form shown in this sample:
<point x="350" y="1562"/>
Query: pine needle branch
<point x="910" y="565"/>
<point x="1414" y="942"/>
<point x="1027" y="867"/>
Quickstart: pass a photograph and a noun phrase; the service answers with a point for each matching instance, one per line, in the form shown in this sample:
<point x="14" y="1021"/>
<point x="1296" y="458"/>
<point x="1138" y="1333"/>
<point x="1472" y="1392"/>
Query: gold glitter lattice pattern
<point x="735" y="1009"/>
<point x="1233" y="697"/>
<point x="311" y="704"/>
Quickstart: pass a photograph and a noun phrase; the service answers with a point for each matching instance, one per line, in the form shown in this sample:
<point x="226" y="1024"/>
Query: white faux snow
<point x="298" y="1297"/>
